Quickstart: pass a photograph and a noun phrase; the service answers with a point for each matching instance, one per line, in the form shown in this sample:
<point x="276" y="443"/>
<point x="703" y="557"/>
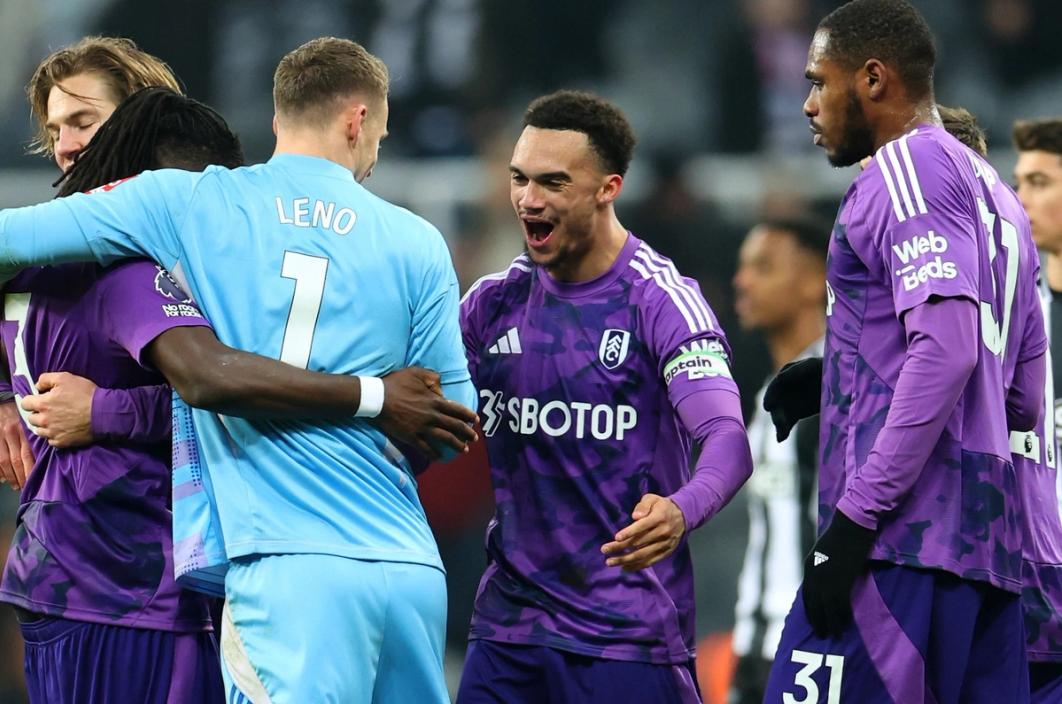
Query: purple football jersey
<point x="1035" y="456"/>
<point x="922" y="220"/>
<point x="93" y="538"/>
<point x="577" y="388"/>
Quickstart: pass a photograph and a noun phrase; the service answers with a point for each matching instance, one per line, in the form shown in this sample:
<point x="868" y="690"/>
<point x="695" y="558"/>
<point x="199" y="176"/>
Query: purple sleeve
<point x="1025" y="400"/>
<point x="930" y="245"/>
<point x="942" y="346"/>
<point x="713" y="417"/>
<point x="469" y="333"/>
<point x="139" y="301"/>
<point x="141" y="414"/>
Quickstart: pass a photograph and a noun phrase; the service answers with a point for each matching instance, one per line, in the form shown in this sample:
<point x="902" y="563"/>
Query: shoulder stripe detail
<point x="692" y="310"/>
<point x="637" y="266"/>
<point x="916" y="187"/>
<point x="692" y="296"/>
<point x="901" y="180"/>
<point x="888" y="184"/>
<point x="520" y="263"/>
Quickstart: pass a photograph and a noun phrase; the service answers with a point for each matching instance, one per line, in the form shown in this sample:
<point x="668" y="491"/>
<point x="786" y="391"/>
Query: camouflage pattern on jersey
<point x="577" y="384"/>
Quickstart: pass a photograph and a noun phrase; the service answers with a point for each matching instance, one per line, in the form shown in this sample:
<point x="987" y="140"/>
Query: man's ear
<point x="610" y="189"/>
<point x="876" y="77"/>
<point x="353" y="120"/>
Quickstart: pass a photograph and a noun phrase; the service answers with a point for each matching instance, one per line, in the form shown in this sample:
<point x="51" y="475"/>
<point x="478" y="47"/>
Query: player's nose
<point x="531" y="198"/>
<point x="811" y="105"/>
<point x="67" y="147"/>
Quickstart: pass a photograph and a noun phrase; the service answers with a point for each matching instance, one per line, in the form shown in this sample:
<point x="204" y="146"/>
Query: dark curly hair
<point x="962" y="125"/>
<point x="153" y="128"/>
<point x="1039" y="135"/>
<point x="892" y="31"/>
<point x="610" y="135"/>
<point x="811" y="232"/>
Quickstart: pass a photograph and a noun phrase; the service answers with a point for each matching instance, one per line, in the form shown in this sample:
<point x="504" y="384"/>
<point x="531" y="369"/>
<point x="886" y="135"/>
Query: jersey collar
<point x="302" y="163"/>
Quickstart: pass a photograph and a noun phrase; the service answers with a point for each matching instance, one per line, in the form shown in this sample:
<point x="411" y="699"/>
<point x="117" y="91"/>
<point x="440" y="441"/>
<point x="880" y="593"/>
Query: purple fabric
<point x="1025" y="400"/>
<point x="578" y="384"/>
<point x="497" y="673"/>
<point x="899" y="663"/>
<point x="141" y="414"/>
<point x="93" y="539"/>
<point x="941" y="355"/>
<point x="917" y="635"/>
<point x="713" y="418"/>
<point x="72" y="662"/>
<point x="927" y="219"/>
<point x="1045" y="682"/>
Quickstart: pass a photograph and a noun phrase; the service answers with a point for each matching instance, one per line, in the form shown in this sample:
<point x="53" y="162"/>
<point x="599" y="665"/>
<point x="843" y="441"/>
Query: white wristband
<point x="372" y="397"/>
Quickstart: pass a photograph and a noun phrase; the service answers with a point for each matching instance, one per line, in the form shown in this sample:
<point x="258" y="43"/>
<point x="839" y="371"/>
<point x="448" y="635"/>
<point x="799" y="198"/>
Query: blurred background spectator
<point x="714" y="89"/>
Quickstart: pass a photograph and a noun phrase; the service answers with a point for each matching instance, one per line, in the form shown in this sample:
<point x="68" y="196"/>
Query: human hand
<point x="830" y="571"/>
<point x="794" y="394"/>
<point x="16" y="456"/>
<point x="416" y="413"/>
<point x="62" y="412"/>
<point x="657" y="529"/>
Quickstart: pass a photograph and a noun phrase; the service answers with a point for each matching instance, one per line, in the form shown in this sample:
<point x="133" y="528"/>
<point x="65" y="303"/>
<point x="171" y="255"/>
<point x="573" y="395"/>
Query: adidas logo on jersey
<point x="509" y="343"/>
<point x="820" y="558"/>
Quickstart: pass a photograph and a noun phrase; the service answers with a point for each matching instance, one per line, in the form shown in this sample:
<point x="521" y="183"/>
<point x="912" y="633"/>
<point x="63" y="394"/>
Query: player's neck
<point x="1054" y="271"/>
<point x="606" y="244"/>
<point x="302" y="144"/>
<point x="785" y="343"/>
<point x="894" y="123"/>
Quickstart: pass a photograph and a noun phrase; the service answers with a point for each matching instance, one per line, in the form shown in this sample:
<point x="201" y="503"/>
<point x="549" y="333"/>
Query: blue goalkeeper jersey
<point x="292" y="259"/>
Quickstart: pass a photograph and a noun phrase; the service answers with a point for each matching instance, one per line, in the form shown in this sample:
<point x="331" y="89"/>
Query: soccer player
<point x="72" y="92"/>
<point x="911" y="592"/>
<point x="74" y="595"/>
<point x="90" y="570"/>
<point x="323" y="529"/>
<point x="781" y="291"/>
<point x="1038" y="174"/>
<point x="598" y="366"/>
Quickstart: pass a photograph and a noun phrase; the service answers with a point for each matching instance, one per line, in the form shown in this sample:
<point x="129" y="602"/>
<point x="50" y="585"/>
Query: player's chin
<point x="540" y="256"/>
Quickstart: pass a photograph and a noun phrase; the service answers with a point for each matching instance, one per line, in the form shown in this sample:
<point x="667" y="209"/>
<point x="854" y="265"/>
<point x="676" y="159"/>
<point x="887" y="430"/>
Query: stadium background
<point x="714" y="90"/>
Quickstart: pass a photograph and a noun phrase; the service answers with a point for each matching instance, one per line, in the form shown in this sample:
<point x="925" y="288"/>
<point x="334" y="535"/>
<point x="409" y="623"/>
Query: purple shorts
<point x="916" y="636"/>
<point x="1045" y="681"/>
<point x="506" y="673"/>
<point x="75" y="662"/>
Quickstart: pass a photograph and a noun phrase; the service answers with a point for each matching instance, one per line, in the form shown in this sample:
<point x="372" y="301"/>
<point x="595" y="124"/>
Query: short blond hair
<point x="311" y="79"/>
<point x="120" y="62"/>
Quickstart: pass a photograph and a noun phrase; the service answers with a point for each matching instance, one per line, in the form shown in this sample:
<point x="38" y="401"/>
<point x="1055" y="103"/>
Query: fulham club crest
<point x="613" y="349"/>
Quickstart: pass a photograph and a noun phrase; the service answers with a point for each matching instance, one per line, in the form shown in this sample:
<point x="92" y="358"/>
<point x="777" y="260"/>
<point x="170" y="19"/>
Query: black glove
<point x="793" y="394"/>
<point x="838" y="557"/>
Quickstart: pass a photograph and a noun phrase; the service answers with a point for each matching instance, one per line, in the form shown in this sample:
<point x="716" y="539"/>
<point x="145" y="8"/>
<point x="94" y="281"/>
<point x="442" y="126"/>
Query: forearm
<point x="942" y="347"/>
<point x="214" y="377"/>
<point x="250" y="386"/>
<point x="141" y="414"/>
<point x="713" y="417"/>
<point x="47" y="233"/>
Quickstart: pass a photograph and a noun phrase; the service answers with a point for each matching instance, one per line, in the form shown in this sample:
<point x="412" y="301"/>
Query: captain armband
<point x="699" y="359"/>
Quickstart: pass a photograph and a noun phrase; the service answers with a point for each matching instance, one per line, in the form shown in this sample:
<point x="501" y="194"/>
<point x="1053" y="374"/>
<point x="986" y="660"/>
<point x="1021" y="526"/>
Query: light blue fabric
<point x="362" y="632"/>
<point x="294" y="260"/>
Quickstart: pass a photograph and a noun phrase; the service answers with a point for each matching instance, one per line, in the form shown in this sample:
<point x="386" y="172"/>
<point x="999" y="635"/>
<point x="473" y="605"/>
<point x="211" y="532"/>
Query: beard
<point x="857" y="142"/>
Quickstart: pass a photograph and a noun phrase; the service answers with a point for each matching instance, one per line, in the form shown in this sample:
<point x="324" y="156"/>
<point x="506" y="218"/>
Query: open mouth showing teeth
<point x="538" y="231"/>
